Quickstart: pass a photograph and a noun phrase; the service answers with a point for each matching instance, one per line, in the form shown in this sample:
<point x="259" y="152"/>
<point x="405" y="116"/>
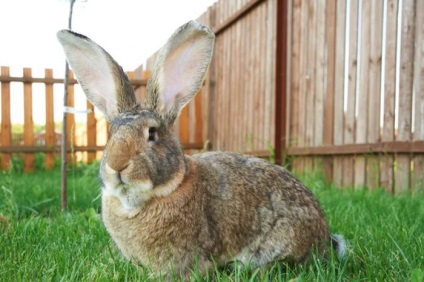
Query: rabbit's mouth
<point x="133" y="195"/>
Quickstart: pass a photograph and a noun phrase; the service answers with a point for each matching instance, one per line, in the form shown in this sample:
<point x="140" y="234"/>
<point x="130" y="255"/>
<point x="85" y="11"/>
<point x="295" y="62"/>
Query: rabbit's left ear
<point x="104" y="82"/>
<point x="179" y="70"/>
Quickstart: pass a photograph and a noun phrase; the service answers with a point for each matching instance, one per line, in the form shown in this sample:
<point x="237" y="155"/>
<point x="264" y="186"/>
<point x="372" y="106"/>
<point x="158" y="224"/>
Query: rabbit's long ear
<point x="102" y="79"/>
<point x="179" y="71"/>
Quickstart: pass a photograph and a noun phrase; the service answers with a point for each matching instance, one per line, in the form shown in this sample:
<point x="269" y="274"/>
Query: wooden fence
<point x="84" y="139"/>
<point x="238" y="108"/>
<point x="356" y="101"/>
<point x="334" y="85"/>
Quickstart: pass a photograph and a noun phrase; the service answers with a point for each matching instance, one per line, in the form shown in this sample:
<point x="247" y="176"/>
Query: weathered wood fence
<point x="87" y="138"/>
<point x="332" y="85"/>
<point x="335" y="85"/>
<point x="356" y="96"/>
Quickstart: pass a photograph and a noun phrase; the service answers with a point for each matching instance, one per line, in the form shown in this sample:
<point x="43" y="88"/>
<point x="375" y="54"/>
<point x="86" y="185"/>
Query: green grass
<point x="38" y="242"/>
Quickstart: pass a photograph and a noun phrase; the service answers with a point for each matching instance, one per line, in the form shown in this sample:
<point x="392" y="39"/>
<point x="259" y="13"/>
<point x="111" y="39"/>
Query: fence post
<point x="70" y="120"/>
<point x="28" y="122"/>
<point x="50" y="137"/>
<point x="281" y="81"/>
<point x="91" y="132"/>
<point x="6" y="128"/>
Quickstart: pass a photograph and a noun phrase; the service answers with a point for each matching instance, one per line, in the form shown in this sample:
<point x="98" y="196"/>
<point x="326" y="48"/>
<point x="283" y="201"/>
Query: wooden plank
<point x="223" y="82"/>
<point x="272" y="117"/>
<point x="417" y="177"/>
<point x="303" y="61"/>
<point x="339" y="88"/>
<point x="260" y="138"/>
<point x="303" y="68"/>
<point x="374" y="92"/>
<point x="404" y="133"/>
<point x="70" y="120"/>
<point x="219" y="46"/>
<point x="320" y="85"/>
<point x="183" y="129"/>
<point x="227" y="79"/>
<point x="233" y="76"/>
<point x="198" y="128"/>
<point x="362" y="94"/>
<point x="91" y="132"/>
<point x="387" y="161"/>
<point x="329" y="93"/>
<point x="243" y="135"/>
<point x="310" y="78"/>
<point x="50" y="136"/>
<point x="192" y="119"/>
<point x="242" y="70"/>
<point x="6" y="125"/>
<point x="215" y="108"/>
<point x="28" y="122"/>
<point x="350" y="80"/>
<point x="247" y="134"/>
<point x="294" y="116"/>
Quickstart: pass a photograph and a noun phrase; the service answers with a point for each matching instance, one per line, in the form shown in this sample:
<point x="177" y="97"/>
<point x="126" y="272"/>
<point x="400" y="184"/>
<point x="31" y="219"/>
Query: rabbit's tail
<point x="339" y="244"/>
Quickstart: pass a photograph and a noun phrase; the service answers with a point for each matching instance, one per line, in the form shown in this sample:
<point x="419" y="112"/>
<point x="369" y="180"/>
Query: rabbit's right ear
<point x="104" y="82"/>
<point x="179" y="71"/>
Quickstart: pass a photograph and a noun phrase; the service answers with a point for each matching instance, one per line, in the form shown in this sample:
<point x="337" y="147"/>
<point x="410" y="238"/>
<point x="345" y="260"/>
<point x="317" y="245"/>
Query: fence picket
<point x="374" y="92"/>
<point x="50" y="136"/>
<point x="403" y="162"/>
<point x="362" y="91"/>
<point x="329" y="92"/>
<point x="91" y="132"/>
<point x="349" y="115"/>
<point x="417" y="177"/>
<point x="28" y="122"/>
<point x="320" y="84"/>
<point x="339" y="89"/>
<point x="310" y="79"/>
<point x="70" y="120"/>
<point x="387" y="160"/>
<point x="6" y="125"/>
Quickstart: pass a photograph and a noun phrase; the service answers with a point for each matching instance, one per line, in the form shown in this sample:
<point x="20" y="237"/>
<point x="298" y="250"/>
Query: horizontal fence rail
<point x="357" y="92"/>
<point x="338" y="83"/>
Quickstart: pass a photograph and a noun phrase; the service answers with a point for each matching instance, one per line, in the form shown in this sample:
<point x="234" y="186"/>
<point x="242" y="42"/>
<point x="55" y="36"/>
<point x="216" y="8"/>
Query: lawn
<point x="39" y="242"/>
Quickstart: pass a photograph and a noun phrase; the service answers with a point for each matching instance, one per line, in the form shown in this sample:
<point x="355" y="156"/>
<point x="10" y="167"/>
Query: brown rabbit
<point x="172" y="212"/>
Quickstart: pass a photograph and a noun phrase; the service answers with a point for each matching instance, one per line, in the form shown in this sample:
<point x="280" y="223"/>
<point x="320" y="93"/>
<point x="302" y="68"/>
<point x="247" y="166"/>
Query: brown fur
<point x="216" y="215"/>
<point x="173" y="212"/>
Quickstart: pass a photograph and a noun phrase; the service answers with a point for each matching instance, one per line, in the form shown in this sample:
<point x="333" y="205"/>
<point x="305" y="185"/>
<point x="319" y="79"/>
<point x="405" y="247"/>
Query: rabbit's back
<point x="261" y="209"/>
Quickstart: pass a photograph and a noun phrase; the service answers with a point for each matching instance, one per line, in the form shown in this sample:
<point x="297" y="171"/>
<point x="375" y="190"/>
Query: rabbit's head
<point x="142" y="158"/>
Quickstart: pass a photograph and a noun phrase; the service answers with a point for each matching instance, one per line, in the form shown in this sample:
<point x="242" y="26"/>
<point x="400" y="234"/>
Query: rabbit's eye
<point x="152" y="134"/>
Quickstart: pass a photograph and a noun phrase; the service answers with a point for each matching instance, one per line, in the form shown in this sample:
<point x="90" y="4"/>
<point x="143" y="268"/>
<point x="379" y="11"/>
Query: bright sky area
<point x="130" y="30"/>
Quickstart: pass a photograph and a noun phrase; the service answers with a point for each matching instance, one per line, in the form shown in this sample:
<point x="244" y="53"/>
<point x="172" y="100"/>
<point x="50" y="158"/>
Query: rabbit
<point x="173" y="212"/>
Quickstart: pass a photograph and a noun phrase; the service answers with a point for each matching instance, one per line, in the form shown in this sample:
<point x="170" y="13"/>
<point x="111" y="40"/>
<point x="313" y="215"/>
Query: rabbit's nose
<point x="119" y="154"/>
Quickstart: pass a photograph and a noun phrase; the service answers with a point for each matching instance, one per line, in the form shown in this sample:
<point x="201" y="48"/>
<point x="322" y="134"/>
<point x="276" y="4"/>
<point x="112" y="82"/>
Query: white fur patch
<point x="134" y="195"/>
<point x="341" y="244"/>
